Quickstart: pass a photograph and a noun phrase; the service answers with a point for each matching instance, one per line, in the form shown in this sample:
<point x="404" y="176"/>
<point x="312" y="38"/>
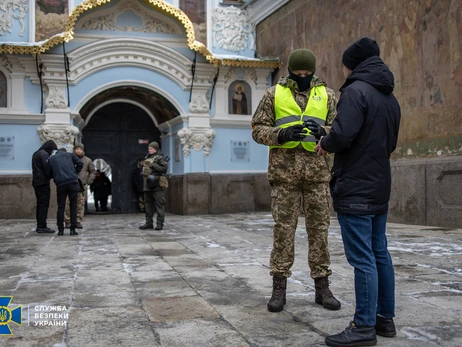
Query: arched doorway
<point x="119" y="133"/>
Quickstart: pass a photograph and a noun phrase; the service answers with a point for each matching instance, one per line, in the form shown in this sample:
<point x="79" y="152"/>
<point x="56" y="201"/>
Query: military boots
<point x="278" y="298"/>
<point x="324" y="296"/>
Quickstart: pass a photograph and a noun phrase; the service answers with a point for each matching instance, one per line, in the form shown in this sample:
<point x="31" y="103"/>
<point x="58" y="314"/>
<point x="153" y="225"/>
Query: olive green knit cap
<point x="302" y="59"/>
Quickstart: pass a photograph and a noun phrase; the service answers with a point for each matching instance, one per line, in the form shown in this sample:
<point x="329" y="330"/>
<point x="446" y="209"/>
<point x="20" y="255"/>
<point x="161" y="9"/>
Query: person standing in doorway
<point x="86" y="177"/>
<point x="295" y="172"/>
<point x="41" y="176"/>
<point x="65" y="168"/>
<point x="101" y="188"/>
<point x="154" y="182"/>
<point x="363" y="136"/>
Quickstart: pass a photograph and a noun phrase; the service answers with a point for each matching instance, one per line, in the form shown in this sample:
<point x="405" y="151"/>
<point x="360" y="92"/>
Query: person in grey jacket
<point x="65" y="168"/>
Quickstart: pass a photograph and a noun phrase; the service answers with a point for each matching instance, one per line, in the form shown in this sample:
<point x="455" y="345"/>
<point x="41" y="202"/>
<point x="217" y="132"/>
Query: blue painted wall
<point x="220" y="155"/>
<point x="32" y="96"/>
<point x="26" y="142"/>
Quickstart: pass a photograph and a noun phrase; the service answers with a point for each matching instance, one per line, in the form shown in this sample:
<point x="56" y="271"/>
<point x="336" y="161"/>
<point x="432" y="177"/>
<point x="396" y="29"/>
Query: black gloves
<point x="293" y="133"/>
<point x="316" y="130"/>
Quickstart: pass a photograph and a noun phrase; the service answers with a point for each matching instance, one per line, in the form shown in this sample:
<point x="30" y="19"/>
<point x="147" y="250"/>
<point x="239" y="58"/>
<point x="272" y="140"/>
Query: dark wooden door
<point x="119" y="133"/>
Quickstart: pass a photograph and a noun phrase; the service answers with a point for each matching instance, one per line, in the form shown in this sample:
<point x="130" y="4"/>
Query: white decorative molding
<point x="62" y="134"/>
<point x="199" y="103"/>
<point x="104" y="54"/>
<point x="261" y="9"/>
<point x="14" y="9"/>
<point x="197" y="139"/>
<point x="56" y="97"/>
<point x="252" y="73"/>
<point x="232" y="29"/>
<point x="4" y="62"/>
<point x="150" y="21"/>
<point x="234" y="73"/>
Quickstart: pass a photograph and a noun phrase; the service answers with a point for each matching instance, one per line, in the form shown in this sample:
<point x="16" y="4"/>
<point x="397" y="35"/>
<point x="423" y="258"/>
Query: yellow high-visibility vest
<point x="288" y="113"/>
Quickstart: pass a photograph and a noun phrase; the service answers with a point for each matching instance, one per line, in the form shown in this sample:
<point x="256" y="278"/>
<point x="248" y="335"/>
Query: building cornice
<point x="261" y="9"/>
<point x="21" y="118"/>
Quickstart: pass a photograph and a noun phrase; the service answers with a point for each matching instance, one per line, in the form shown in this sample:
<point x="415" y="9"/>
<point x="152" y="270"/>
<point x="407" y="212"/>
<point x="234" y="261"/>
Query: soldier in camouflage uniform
<point x="154" y="182"/>
<point x="86" y="177"/>
<point x="296" y="173"/>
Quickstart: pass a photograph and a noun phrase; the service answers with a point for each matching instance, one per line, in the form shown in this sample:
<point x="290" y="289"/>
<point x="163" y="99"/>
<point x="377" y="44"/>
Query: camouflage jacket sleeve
<point x="263" y="129"/>
<point x="331" y="108"/>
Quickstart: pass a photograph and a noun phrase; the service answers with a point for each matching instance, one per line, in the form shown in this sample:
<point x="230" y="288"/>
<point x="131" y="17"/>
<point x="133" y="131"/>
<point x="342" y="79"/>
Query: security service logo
<point x="8" y="315"/>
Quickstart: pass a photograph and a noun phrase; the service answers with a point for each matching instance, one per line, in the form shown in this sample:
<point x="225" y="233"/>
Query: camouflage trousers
<point x="81" y="198"/>
<point x="285" y="206"/>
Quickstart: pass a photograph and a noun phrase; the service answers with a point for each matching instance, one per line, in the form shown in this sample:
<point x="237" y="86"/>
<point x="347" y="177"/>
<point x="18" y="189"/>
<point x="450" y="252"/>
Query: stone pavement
<point x="203" y="281"/>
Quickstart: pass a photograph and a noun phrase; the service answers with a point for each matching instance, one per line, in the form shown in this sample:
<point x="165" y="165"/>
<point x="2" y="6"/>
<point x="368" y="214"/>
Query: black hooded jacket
<point x="363" y="136"/>
<point x="41" y="171"/>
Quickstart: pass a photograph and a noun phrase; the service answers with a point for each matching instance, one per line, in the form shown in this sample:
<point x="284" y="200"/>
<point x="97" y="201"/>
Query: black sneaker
<point x="45" y="231"/>
<point x="73" y="232"/>
<point x="353" y="336"/>
<point x="61" y="233"/>
<point x="385" y="327"/>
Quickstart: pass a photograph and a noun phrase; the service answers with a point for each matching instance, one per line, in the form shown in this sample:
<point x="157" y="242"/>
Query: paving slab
<point x="204" y="281"/>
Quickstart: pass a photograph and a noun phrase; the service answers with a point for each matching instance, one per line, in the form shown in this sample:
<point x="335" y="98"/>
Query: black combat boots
<point x="159" y="226"/>
<point x="385" y="327"/>
<point x="278" y="298"/>
<point x="353" y="336"/>
<point x="74" y="233"/>
<point x="146" y="226"/>
<point x="324" y="296"/>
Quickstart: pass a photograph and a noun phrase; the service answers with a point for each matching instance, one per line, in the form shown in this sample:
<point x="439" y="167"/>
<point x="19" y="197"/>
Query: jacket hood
<point x="49" y="146"/>
<point x="374" y="72"/>
<point x="285" y="81"/>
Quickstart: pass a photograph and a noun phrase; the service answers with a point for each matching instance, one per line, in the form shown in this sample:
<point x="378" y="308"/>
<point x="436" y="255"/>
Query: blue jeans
<point x="365" y="244"/>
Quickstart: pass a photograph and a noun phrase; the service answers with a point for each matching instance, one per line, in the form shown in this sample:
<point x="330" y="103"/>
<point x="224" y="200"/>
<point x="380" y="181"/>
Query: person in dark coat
<point x="101" y="188"/>
<point x="65" y="169"/>
<point x="363" y="136"/>
<point x="41" y="176"/>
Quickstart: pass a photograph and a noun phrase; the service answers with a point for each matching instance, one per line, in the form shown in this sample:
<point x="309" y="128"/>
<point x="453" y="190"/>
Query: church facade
<point x="118" y="74"/>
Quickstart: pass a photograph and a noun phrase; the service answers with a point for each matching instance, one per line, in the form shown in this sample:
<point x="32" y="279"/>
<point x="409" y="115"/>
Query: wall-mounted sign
<point x="6" y="147"/>
<point x="240" y="151"/>
<point x="143" y="142"/>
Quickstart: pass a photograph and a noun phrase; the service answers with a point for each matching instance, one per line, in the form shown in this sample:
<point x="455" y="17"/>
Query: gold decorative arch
<point x="161" y="5"/>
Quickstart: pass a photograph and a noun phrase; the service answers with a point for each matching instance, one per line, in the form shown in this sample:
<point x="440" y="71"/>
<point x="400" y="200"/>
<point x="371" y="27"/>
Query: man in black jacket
<point x="41" y="175"/>
<point x="65" y="169"/>
<point x="363" y="136"/>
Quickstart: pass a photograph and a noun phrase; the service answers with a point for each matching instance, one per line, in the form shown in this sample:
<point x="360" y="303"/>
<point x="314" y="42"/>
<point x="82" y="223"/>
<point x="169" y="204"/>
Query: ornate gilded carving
<point x="232" y="29"/>
<point x="14" y="9"/>
<point x="62" y="134"/>
<point x="165" y="7"/>
<point x="197" y="139"/>
<point x="56" y="97"/>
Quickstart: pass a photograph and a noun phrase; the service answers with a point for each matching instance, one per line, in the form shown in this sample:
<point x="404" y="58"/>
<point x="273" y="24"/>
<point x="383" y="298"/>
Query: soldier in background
<point x="295" y="171"/>
<point x="154" y="182"/>
<point x="86" y="177"/>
